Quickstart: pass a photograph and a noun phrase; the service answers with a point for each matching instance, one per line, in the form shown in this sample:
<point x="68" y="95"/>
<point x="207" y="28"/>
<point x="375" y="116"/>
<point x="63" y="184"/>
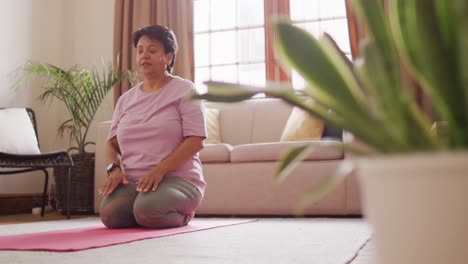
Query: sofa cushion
<point x="302" y="126"/>
<point x="270" y="116"/>
<point x="17" y="134"/>
<point x="212" y="126"/>
<point x="215" y="153"/>
<point x="326" y="150"/>
<point x="251" y="121"/>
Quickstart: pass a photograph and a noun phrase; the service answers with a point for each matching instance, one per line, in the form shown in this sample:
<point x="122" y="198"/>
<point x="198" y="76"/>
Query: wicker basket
<point x="81" y="187"/>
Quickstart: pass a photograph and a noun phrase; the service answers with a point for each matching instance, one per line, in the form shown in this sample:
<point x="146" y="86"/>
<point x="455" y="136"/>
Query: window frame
<point x="274" y="73"/>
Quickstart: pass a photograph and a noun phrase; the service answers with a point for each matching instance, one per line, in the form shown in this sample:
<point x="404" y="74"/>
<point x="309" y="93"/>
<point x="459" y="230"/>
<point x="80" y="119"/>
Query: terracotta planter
<point x="417" y="206"/>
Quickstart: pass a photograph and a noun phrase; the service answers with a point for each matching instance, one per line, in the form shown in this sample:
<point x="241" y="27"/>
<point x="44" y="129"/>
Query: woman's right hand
<point x="114" y="179"/>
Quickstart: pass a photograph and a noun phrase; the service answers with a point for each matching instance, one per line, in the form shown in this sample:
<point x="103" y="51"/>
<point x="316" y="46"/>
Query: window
<point x="233" y="43"/>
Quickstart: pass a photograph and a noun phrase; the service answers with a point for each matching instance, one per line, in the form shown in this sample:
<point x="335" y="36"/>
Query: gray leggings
<point x="172" y="204"/>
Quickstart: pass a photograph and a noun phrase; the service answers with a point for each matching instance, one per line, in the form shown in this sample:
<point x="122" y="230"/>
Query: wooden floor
<point x="30" y="218"/>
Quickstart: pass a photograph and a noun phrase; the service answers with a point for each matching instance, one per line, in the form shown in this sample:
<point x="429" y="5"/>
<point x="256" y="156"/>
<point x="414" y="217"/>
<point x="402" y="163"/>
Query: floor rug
<point x="77" y="239"/>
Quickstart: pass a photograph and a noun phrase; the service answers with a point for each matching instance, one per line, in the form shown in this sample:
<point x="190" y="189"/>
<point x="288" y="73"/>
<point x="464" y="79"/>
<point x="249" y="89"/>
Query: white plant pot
<point x="417" y="206"/>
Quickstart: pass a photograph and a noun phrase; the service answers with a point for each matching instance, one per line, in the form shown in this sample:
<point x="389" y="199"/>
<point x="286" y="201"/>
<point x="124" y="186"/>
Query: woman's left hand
<point x="150" y="181"/>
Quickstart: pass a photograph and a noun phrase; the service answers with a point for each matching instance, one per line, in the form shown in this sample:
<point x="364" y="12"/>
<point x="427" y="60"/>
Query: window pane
<point x="201" y="75"/>
<point x="250" y="13"/>
<point x="224" y="73"/>
<point x="201" y="15"/>
<point x="311" y="27"/>
<point x="251" y="45"/>
<point x="298" y="82"/>
<point x="319" y="16"/>
<point x="314" y="9"/>
<point x="223" y="47"/>
<point x="222" y="15"/>
<point x="304" y="9"/>
<point x="252" y="74"/>
<point x="332" y="8"/>
<point x="201" y="50"/>
<point x="338" y="29"/>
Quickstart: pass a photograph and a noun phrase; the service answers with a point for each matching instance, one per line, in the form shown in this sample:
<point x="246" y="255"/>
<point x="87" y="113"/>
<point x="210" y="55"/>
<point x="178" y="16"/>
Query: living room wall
<point x="59" y="32"/>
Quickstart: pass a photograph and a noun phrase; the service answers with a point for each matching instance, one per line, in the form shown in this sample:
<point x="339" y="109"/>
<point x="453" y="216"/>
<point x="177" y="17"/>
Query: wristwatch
<point x="111" y="167"/>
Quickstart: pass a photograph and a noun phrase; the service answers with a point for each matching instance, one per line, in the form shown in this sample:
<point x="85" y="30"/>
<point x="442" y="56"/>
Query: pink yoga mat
<point x="95" y="237"/>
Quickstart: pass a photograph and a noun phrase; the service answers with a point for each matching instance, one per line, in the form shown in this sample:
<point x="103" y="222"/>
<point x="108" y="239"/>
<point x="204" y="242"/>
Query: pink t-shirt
<point x="150" y="126"/>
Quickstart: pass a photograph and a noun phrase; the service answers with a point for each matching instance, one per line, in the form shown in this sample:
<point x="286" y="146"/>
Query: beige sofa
<point x="239" y="171"/>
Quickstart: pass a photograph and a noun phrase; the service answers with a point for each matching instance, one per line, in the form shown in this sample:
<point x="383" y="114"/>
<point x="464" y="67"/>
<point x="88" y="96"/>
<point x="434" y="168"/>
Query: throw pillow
<point x="212" y="126"/>
<point x="17" y="134"/>
<point x="302" y="126"/>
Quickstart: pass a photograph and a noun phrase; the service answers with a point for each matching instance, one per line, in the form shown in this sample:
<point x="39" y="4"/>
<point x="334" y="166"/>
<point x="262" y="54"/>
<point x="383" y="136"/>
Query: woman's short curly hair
<point x="161" y="34"/>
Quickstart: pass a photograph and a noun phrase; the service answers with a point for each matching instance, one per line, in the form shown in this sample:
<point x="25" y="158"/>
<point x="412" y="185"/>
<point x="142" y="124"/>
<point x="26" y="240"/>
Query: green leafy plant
<point x="80" y="89"/>
<point x="370" y="97"/>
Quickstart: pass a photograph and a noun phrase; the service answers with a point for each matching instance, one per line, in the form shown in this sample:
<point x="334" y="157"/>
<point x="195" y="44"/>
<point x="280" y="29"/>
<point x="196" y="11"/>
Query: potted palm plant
<point x="415" y="179"/>
<point x="82" y="91"/>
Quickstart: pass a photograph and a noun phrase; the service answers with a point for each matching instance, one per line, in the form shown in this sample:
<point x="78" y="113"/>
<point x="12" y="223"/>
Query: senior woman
<point x="154" y="172"/>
